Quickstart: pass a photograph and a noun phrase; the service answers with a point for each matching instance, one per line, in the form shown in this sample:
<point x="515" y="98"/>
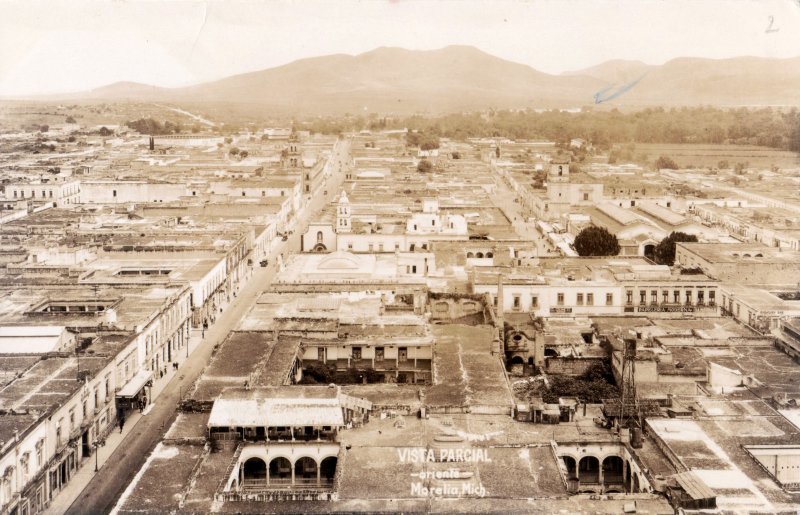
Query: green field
<point x="704" y="155"/>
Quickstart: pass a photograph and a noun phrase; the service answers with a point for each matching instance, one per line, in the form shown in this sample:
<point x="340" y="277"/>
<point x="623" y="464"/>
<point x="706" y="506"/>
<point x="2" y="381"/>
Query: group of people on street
<point x="141" y="404"/>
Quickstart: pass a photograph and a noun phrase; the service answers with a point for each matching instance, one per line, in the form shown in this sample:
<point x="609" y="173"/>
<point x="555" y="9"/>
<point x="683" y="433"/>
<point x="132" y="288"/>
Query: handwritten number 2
<point x="770" y="28"/>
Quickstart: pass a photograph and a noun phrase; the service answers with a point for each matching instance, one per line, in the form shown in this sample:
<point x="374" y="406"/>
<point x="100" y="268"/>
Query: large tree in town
<point x="596" y="241"/>
<point x="665" y="251"/>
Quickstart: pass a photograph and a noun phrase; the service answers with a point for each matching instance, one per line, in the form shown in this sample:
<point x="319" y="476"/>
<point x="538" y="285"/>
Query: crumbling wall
<point x="571" y="366"/>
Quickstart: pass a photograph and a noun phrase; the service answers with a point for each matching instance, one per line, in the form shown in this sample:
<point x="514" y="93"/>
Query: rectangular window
<point x="654" y="297"/>
<point x="321" y="353"/>
<point x="380" y="247"/>
<point x="560" y="299"/>
<point x="688" y="297"/>
<point x="590" y="299"/>
<point x="579" y="299"/>
<point x="665" y="296"/>
<point x="379" y="354"/>
<point x="629" y="295"/>
<point x="516" y="302"/>
<point x="609" y="299"/>
<point x="356" y="352"/>
<point x="535" y="301"/>
<point x="349" y="246"/>
<point x="676" y="295"/>
<point x="712" y="297"/>
<point x="585" y="196"/>
<point x="414" y="269"/>
<point x="396" y="246"/>
<point x="700" y="297"/>
<point x="642" y="297"/>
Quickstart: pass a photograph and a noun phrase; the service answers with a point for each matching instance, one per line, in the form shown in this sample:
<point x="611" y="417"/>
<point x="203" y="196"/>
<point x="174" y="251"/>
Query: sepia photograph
<point x="400" y="256"/>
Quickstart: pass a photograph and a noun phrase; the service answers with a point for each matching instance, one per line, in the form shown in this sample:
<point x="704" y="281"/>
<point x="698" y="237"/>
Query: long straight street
<point x="103" y="490"/>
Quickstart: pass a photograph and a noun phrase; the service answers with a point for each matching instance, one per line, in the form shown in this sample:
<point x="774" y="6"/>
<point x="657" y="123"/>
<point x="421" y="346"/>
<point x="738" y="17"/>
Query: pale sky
<point x="51" y="46"/>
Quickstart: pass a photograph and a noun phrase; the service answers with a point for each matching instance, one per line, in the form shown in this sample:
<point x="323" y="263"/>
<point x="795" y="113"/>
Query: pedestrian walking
<point x="121" y="422"/>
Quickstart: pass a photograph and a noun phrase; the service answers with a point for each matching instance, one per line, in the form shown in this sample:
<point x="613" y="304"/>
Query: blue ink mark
<point x="601" y="96"/>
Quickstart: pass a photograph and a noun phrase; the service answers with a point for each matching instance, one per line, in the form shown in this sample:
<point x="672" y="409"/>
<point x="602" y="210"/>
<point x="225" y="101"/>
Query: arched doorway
<point x="479" y="255"/>
<point x="569" y="462"/>
<point x="470" y="255"/>
<point x="327" y="469"/>
<point x="550" y="353"/>
<point x="650" y="251"/>
<point x="589" y="470"/>
<point x="613" y="469"/>
<point x="517" y="360"/>
<point x="254" y="472"/>
<point x="305" y="471"/>
<point x="280" y="471"/>
<point x="319" y="247"/>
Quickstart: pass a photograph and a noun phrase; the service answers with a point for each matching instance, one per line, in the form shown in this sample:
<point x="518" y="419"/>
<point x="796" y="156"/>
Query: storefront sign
<point x="665" y="309"/>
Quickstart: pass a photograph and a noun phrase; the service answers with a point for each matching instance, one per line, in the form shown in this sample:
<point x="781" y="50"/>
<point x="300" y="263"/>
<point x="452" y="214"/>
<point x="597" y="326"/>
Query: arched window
<point x="254" y="470"/>
<point x="8" y="483"/>
<point x="280" y="470"/>
<point x="328" y="469"/>
<point x="305" y="470"/>
<point x="319" y="236"/>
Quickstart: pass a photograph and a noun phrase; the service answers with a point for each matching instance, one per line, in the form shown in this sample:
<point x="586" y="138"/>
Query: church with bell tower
<point x="558" y="189"/>
<point x="343" y="221"/>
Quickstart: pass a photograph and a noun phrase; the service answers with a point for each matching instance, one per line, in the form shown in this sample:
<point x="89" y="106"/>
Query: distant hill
<point x="739" y="81"/>
<point x="616" y="71"/>
<point x="460" y="78"/>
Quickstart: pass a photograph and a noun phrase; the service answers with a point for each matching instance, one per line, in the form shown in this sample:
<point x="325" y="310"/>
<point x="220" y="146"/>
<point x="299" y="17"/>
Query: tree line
<point x="707" y="125"/>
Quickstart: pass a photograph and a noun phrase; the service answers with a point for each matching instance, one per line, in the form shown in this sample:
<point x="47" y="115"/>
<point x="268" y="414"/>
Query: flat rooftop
<point x="741" y="253"/>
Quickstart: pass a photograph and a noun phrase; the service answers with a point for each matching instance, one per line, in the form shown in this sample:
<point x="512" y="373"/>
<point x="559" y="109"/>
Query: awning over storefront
<point x="135" y="385"/>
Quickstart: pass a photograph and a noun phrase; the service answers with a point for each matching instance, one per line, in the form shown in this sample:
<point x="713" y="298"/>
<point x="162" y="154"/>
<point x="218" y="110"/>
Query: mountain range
<point x="463" y="78"/>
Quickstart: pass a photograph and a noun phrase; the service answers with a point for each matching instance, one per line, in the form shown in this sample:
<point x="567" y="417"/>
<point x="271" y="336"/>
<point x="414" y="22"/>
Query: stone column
<point x="600" y="472"/>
